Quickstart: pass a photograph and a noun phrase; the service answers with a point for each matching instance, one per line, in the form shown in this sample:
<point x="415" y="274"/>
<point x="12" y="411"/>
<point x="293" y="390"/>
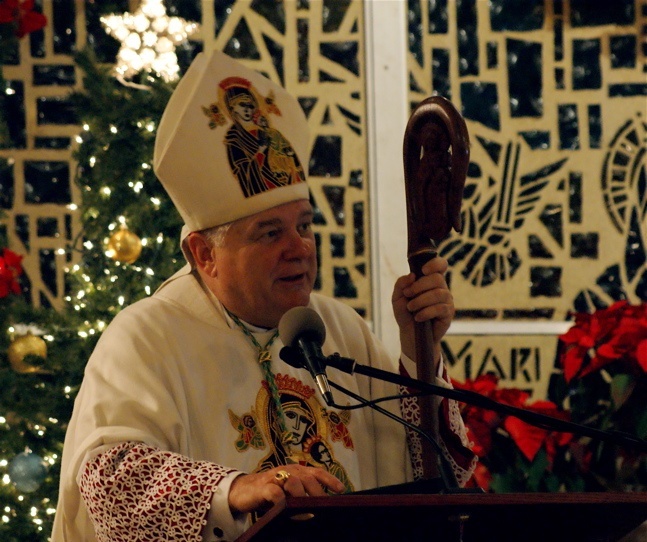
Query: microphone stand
<point x="350" y="366"/>
<point x="447" y="475"/>
<point x="449" y="484"/>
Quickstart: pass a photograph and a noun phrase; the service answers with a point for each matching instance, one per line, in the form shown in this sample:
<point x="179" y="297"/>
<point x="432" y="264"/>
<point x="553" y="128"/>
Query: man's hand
<point x="260" y="491"/>
<point x="427" y="298"/>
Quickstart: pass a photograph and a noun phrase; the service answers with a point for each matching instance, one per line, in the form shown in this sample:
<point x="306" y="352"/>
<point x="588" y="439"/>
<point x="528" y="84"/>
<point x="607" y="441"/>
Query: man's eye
<point x="305" y="227"/>
<point x="271" y="234"/>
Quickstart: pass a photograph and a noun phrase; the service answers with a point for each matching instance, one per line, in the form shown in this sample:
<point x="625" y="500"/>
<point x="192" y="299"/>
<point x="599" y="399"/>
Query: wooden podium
<point x="527" y="517"/>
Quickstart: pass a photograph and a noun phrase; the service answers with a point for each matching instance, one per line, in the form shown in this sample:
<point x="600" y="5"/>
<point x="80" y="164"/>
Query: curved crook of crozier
<point x="436" y="156"/>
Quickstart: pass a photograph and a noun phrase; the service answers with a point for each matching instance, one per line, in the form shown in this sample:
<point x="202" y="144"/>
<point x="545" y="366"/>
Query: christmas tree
<point x="128" y="245"/>
<point x="30" y="435"/>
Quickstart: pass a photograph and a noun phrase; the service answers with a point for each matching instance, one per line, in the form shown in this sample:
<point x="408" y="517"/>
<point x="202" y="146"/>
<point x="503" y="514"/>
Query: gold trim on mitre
<point x="202" y="151"/>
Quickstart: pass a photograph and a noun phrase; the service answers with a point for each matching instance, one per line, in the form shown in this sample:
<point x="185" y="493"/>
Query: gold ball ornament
<point x="23" y="346"/>
<point x="124" y="246"/>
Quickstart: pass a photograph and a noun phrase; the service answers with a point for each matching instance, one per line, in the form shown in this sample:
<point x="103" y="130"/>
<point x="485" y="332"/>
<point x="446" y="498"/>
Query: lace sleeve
<point x="452" y="433"/>
<point x="135" y="492"/>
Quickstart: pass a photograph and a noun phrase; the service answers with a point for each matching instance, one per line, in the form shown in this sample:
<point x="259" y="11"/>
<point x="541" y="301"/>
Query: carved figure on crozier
<point x="498" y="197"/>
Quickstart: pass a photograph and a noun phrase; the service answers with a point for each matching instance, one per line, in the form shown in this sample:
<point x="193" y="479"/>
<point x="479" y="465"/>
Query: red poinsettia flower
<point x="629" y="341"/>
<point x="21" y="14"/>
<point x="582" y="454"/>
<point x="530" y="439"/>
<point x="590" y="330"/>
<point x="480" y="422"/>
<point x="10" y="270"/>
<point x="486" y="384"/>
<point x="618" y="332"/>
<point x="641" y="354"/>
<point x="482" y="477"/>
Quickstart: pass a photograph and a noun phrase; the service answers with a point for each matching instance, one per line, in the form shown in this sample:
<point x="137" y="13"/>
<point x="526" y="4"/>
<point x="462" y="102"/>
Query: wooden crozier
<point x="436" y="156"/>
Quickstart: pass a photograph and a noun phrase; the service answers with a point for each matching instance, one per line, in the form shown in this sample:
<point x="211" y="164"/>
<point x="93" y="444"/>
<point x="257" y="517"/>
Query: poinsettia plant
<point x="616" y="334"/>
<point x="515" y="456"/>
<point x="603" y="385"/>
<point x="604" y="361"/>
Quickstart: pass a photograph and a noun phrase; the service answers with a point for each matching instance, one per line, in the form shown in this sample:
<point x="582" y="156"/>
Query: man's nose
<point x="298" y="246"/>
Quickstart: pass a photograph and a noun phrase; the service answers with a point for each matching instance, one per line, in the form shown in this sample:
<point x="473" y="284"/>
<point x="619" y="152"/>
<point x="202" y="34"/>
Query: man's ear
<point x="203" y="253"/>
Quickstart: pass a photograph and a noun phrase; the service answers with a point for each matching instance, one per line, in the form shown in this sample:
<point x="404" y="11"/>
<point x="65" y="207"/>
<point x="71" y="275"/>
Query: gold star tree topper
<point x="148" y="39"/>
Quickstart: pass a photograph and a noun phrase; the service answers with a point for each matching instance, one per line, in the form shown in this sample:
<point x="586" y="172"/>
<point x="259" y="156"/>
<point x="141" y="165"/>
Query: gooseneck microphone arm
<point x="300" y="323"/>
<point x="349" y="366"/>
<point x="292" y="356"/>
<point x="447" y="474"/>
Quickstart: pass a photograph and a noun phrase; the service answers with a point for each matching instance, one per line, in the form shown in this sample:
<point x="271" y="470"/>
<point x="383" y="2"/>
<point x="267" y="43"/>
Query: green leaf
<point x="503" y="483"/>
<point x="537" y="470"/>
<point x="553" y="483"/>
<point x="578" y="485"/>
<point x="622" y="386"/>
<point x="641" y="423"/>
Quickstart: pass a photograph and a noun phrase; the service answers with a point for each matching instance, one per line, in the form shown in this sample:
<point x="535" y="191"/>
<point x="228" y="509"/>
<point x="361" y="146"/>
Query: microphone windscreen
<point x="300" y="320"/>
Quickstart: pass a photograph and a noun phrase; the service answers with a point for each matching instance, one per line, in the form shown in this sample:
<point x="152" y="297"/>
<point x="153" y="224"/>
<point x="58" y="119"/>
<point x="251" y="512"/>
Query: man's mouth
<point x="293" y="278"/>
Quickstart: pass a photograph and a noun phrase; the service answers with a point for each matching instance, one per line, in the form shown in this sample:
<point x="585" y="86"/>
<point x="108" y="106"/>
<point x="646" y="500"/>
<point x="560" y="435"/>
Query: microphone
<point x="303" y="332"/>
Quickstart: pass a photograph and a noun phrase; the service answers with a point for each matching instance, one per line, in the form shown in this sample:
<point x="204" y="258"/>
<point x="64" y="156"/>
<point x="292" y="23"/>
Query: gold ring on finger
<point x="281" y="477"/>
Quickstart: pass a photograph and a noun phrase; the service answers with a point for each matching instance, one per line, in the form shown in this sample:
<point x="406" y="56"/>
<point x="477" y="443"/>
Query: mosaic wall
<point x="36" y="166"/>
<point x="314" y="49"/>
<point x="555" y="206"/>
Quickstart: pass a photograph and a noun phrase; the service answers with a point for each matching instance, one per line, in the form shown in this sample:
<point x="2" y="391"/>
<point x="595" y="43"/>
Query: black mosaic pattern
<point x="560" y="80"/>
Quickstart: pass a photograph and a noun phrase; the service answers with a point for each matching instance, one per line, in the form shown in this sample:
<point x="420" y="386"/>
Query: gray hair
<point x="216" y="234"/>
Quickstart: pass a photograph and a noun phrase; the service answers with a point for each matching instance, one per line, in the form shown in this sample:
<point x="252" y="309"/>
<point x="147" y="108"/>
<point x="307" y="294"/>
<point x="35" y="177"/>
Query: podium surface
<point x="522" y="517"/>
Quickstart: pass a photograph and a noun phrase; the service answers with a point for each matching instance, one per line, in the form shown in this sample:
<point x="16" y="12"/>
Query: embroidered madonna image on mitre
<point x="231" y="143"/>
<point x="260" y="156"/>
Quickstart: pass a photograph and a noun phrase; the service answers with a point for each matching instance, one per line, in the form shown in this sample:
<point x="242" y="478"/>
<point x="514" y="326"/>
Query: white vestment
<point x="174" y="372"/>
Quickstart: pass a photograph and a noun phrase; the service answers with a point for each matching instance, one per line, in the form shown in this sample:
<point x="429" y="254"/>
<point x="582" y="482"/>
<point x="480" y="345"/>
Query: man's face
<point x="267" y="264"/>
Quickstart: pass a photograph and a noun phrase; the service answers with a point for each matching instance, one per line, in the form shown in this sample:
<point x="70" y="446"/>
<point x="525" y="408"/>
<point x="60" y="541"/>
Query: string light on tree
<point x="148" y="39"/>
